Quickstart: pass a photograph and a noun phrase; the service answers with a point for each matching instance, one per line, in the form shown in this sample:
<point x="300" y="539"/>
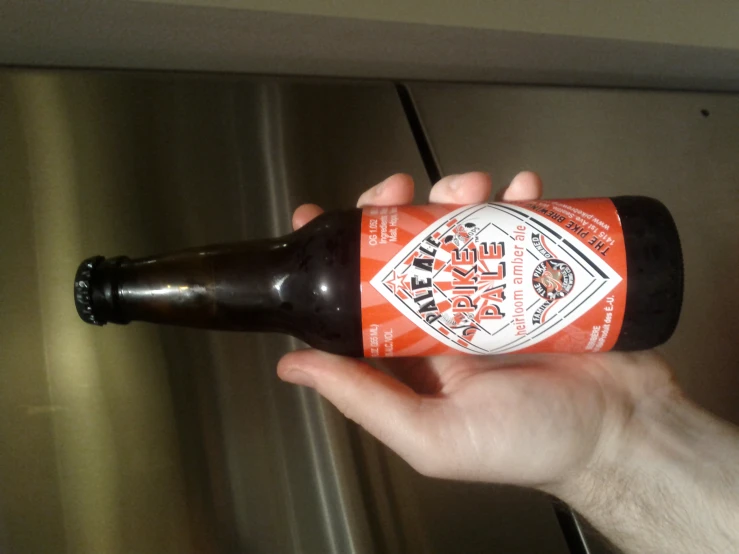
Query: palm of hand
<point x="533" y="420"/>
<point x="525" y="420"/>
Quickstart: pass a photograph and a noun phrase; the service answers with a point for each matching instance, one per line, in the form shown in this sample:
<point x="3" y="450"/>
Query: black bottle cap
<point x="83" y="291"/>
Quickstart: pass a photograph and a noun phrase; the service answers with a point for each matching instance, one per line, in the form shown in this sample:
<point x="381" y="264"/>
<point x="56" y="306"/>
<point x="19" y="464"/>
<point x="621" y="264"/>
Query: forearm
<point x="672" y="484"/>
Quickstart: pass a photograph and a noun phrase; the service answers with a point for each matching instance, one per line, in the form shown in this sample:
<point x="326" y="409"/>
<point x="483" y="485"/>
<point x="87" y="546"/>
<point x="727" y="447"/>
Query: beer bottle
<point x="579" y="275"/>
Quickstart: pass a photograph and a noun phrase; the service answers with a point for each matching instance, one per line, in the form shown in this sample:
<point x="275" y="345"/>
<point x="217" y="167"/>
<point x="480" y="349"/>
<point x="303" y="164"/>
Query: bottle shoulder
<point x="335" y="221"/>
<point x="321" y="295"/>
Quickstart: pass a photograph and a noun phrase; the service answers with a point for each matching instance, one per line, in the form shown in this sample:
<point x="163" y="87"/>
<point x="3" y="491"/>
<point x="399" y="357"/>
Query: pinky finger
<point x="304" y="214"/>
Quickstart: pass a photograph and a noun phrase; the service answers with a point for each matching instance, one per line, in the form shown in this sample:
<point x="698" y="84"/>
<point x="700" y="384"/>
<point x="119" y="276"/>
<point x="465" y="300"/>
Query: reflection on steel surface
<point x="164" y="440"/>
<point x="141" y="439"/>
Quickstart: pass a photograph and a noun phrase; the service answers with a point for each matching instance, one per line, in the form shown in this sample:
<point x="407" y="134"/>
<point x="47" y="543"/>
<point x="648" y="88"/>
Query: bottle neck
<point x="306" y="284"/>
<point x="234" y="287"/>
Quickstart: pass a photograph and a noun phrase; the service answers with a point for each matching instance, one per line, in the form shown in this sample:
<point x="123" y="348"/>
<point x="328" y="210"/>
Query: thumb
<point x="385" y="407"/>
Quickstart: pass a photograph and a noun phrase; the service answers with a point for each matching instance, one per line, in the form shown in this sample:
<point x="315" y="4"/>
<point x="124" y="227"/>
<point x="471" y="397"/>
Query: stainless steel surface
<point x="678" y="147"/>
<point x="141" y="439"/>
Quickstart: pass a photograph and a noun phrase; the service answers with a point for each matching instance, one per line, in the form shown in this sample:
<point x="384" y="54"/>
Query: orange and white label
<point x="541" y="276"/>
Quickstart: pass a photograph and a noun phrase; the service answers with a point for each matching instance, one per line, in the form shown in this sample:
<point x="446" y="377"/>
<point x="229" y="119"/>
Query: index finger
<point x="396" y="190"/>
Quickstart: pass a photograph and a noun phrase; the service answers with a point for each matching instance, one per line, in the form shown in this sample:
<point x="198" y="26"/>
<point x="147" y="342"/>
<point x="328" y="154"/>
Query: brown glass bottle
<point x="304" y="285"/>
<point x="307" y="284"/>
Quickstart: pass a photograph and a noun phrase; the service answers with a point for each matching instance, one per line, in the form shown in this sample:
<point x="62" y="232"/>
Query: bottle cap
<point x="83" y="290"/>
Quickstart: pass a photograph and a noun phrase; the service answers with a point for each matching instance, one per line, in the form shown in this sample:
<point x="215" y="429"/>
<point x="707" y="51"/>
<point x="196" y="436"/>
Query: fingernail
<point x="455" y="182"/>
<point x="298" y="377"/>
<point x="370" y="194"/>
<point x="377" y="189"/>
<point x="500" y="193"/>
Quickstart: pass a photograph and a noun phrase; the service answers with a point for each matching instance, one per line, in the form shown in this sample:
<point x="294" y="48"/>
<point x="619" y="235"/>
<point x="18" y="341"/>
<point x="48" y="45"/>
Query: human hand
<point x="534" y="420"/>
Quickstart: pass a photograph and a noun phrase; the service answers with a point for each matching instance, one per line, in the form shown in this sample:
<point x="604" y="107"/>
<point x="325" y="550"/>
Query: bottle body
<point x="544" y="276"/>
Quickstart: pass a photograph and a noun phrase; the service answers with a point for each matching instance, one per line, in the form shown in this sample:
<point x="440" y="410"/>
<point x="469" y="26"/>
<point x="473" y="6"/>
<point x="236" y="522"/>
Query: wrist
<point x="669" y="468"/>
<point x="636" y="435"/>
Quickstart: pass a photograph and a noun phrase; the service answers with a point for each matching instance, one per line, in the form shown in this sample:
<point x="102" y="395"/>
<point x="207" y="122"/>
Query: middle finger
<point x="466" y="188"/>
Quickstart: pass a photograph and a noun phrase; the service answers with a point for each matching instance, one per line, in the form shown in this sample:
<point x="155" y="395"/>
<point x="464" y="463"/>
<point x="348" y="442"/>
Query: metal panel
<point x="175" y="35"/>
<point x="144" y="439"/>
<point x="678" y="147"/>
<point x="140" y="439"/>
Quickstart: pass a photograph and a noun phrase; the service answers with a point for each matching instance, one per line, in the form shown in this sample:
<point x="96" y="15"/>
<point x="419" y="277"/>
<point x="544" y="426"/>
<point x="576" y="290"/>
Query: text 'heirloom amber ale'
<point x="586" y="275"/>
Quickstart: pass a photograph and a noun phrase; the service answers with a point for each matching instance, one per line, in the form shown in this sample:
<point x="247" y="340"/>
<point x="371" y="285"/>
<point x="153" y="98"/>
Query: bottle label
<point x="541" y="276"/>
